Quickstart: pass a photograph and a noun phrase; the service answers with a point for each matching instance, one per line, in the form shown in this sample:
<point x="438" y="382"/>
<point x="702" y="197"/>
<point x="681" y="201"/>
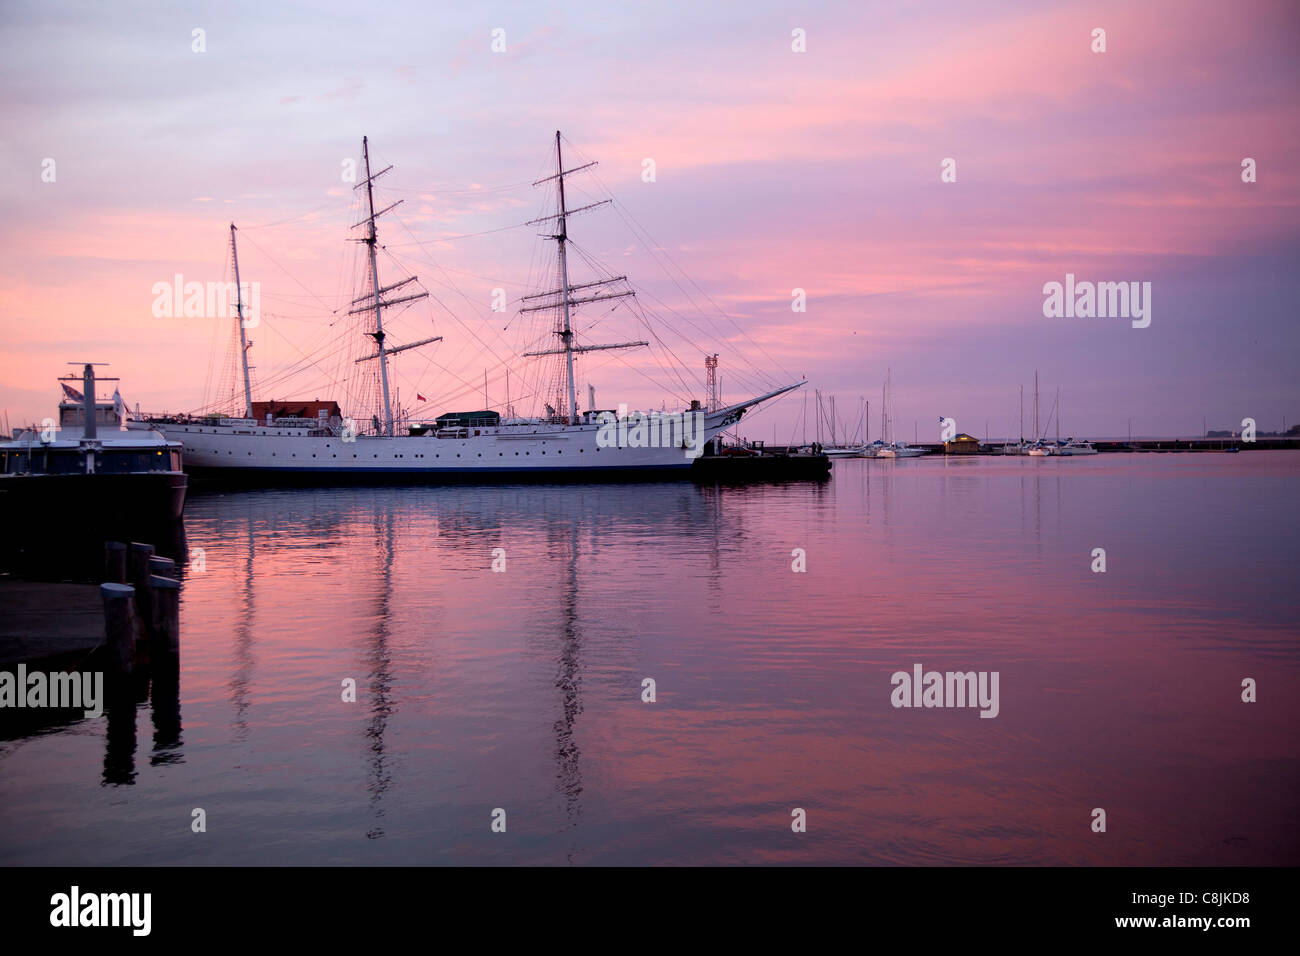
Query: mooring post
<point x="163" y="567"/>
<point x="119" y="627"/>
<point x="115" y="562"/>
<point x="165" y="623"/>
<point x="138" y="571"/>
<point x="140" y="555"/>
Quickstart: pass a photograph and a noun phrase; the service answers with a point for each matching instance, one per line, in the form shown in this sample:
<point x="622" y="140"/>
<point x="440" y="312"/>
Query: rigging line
<point x="466" y="235"/>
<point x="596" y="266"/>
<point x="397" y="184"/>
<point x="455" y="289"/>
<point x="655" y="254"/>
<point x="212" y="345"/>
<point x="763" y="379"/>
<point x="645" y="319"/>
<point x="291" y="276"/>
<point x="280" y="222"/>
<point x="300" y="365"/>
<point x="470" y="388"/>
<point x="651" y="244"/>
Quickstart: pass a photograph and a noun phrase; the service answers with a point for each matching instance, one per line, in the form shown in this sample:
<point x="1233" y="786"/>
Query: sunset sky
<point x="774" y="170"/>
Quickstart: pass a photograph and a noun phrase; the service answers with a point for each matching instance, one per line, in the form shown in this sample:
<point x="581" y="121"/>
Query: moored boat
<point x="86" y="477"/>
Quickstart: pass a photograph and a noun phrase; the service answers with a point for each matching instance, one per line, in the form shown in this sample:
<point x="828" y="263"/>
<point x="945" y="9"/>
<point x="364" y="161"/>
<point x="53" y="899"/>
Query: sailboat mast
<point x="378" y="334"/>
<point x="1036" y="435"/>
<point x="884" y="391"/>
<point x="889" y="380"/>
<point x="561" y="238"/>
<point x="239" y="317"/>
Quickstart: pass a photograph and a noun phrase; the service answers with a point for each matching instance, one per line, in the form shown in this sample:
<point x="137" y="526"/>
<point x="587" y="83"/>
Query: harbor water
<point x="500" y="640"/>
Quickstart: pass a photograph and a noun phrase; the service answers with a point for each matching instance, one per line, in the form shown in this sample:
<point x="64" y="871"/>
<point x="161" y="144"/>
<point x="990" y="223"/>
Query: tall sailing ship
<point x="312" y="441"/>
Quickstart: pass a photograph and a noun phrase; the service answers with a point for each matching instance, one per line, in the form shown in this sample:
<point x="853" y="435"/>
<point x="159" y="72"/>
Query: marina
<point x="660" y="436"/>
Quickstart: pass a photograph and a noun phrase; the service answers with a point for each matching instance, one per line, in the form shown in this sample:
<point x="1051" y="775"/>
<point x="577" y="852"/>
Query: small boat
<point x="889" y="448"/>
<point x="87" y="474"/>
<point x="899" y="449"/>
<point x="1073" y="446"/>
<point x="846" y="452"/>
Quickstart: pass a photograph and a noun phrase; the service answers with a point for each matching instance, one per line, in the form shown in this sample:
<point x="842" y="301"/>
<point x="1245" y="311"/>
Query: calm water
<point x="522" y="690"/>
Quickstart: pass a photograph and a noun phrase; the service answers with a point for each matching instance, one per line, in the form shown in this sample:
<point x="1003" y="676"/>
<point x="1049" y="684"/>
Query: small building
<point x="963" y="444"/>
<point x="480" y="419"/>
<point x="296" y="409"/>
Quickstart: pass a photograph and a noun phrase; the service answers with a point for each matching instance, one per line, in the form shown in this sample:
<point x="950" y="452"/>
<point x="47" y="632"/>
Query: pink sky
<point x="775" y="170"/>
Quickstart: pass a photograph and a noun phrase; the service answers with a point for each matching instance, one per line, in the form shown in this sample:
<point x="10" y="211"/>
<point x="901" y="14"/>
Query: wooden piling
<point x="164" y="623"/>
<point x="139" y="569"/>
<point x="115" y="562"/>
<point x="119" y="627"/>
<point x="141" y="555"/>
<point x="163" y="567"/>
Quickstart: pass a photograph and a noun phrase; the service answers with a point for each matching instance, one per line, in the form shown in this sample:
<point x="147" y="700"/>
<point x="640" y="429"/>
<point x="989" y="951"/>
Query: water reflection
<point x="381" y="676"/>
<point x="241" y="677"/>
<point x="521" y="689"/>
<point x="568" y="678"/>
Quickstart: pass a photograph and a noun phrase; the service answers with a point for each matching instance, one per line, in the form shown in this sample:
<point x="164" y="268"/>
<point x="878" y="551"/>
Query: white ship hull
<point x="239" y="450"/>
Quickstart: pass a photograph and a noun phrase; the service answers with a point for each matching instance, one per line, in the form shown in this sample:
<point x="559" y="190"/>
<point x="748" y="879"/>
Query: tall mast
<point x="377" y="303"/>
<point x="239" y="317"/>
<point x="562" y="237"/>
<point x="1058" y="414"/>
<point x="1022" y="414"/>
<point x="374" y="281"/>
<point x="565" y="301"/>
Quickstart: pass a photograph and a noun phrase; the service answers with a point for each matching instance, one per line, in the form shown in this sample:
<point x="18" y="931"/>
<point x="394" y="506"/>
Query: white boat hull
<point x="242" y="450"/>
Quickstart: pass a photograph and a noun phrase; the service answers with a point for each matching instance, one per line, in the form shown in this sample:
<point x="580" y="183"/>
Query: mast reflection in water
<point x="521" y="689"/>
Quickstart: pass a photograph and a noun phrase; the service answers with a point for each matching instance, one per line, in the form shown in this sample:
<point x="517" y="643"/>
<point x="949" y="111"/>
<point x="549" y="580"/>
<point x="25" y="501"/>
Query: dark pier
<point x="754" y="462"/>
